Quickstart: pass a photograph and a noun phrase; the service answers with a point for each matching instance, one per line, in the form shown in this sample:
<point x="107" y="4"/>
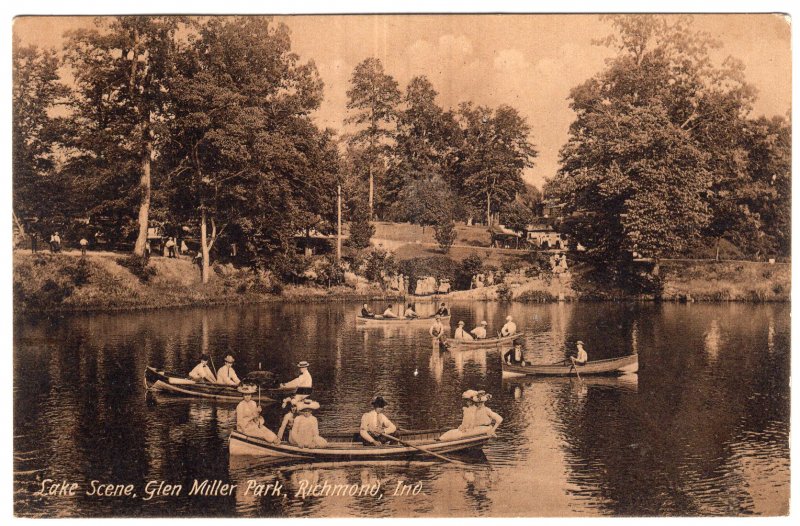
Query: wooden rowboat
<point x="348" y="447"/>
<point x="488" y="343"/>
<point x="622" y="365"/>
<point x="380" y="320"/>
<point x="174" y="383"/>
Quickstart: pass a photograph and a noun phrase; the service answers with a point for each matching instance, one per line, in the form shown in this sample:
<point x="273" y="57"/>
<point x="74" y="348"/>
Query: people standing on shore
<point x="509" y="328"/>
<point x="305" y="429"/>
<point x="201" y="371"/>
<point x="34" y="242"/>
<point x="303" y="384"/>
<point x="479" y="332"/>
<point x="170" y="244"/>
<point x="248" y="416"/>
<point x="226" y="375"/>
<point x="375" y="424"/>
<point x="55" y="243"/>
<point x="84" y="243"/>
<point x="461" y="334"/>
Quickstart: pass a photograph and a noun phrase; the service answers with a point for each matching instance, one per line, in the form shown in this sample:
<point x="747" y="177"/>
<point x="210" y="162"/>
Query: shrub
<point x="440" y="267"/>
<point x="378" y="264"/>
<point x="445" y="234"/>
<point x="328" y="272"/>
<point x="470" y="266"/>
<point x="79" y="272"/>
<point x="361" y="230"/>
<point x="138" y="266"/>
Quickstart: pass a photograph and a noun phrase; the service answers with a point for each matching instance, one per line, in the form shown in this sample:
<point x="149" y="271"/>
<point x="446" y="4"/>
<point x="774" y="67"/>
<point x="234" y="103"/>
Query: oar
<point x="576" y="370"/>
<point x="212" y="365"/>
<point x="437" y="455"/>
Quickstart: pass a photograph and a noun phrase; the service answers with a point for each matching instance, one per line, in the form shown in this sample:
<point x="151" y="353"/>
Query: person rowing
<point x="582" y="357"/>
<point x="443" y="310"/>
<point x="467" y="419"/>
<point x="303" y="384"/>
<point x="461" y="334"/>
<point x="305" y="430"/>
<point x="375" y="424"/>
<point x="509" y="328"/>
<point x="366" y="313"/>
<point x="226" y="375"/>
<point x="410" y="312"/>
<point x="486" y="420"/>
<point x="389" y="313"/>
<point x="479" y="332"/>
<point x="515" y="356"/>
<point x="201" y="371"/>
<point x="248" y="416"/>
<point x="437" y="329"/>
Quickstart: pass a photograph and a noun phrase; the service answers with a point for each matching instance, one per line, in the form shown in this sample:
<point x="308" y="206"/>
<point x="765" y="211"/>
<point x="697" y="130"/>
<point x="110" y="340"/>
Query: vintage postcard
<point x="398" y="265"/>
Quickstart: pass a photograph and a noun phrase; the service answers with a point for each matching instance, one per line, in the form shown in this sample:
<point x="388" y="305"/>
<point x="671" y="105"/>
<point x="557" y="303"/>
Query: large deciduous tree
<point x="372" y="98"/>
<point x="654" y="135"/>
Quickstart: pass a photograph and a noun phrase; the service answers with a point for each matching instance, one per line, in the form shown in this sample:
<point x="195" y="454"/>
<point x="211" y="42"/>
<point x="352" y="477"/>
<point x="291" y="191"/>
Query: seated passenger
<point x="486" y="420"/>
<point x="461" y="334"/>
<point x="305" y="430"/>
<point x="509" y="328"/>
<point x="515" y="356"/>
<point x="443" y="310"/>
<point x="375" y="424"/>
<point x="389" y="313"/>
<point x="366" y="313"/>
<point x="467" y="420"/>
<point x="226" y="375"/>
<point x="480" y="331"/>
<point x="410" y="312"/>
<point x="582" y="357"/>
<point x="248" y="416"/>
<point x="288" y="419"/>
<point x="201" y="371"/>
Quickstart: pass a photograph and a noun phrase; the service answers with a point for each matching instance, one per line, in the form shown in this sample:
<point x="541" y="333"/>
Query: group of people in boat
<point x="408" y="313"/>
<point x="477" y="419"/>
<point x="226" y="375"/>
<point x="479" y="332"/>
<point x="515" y="355"/>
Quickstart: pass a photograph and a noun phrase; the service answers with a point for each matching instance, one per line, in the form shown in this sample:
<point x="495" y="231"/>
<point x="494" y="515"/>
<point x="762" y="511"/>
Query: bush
<point x="328" y="272"/>
<point x="470" y="266"/>
<point x="445" y="234"/>
<point x="378" y="264"/>
<point x="361" y="230"/>
<point x="138" y="266"/>
<point x="440" y="267"/>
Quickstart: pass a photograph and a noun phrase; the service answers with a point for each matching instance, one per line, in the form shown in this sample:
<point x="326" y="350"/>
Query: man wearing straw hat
<point x="480" y="331"/>
<point x="509" y="328"/>
<point x="201" y="371"/>
<point x="582" y="357"/>
<point x="305" y="430"/>
<point x="461" y="334"/>
<point x="303" y="383"/>
<point x="226" y="375"/>
<point x="248" y="416"/>
<point x="375" y="424"/>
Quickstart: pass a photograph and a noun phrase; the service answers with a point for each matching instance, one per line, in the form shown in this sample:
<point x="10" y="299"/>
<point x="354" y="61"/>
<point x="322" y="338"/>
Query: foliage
<point x="378" y="264"/>
<point x="361" y="230"/>
<point x="439" y="267"/>
<point x="139" y="267"/>
<point x="328" y="272"/>
<point x="516" y="216"/>
<point x="445" y="234"/>
<point x="425" y="202"/>
<point x="469" y="267"/>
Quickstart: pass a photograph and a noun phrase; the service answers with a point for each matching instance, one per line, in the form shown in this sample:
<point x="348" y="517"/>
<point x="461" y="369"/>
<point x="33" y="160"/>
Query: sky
<point x="527" y="61"/>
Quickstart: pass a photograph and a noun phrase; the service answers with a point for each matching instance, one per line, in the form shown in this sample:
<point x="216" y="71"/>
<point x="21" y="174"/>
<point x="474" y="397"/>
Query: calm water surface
<point x="701" y="430"/>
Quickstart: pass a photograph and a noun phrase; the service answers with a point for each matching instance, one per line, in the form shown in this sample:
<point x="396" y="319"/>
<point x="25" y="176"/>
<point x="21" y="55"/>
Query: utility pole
<point x="339" y="224"/>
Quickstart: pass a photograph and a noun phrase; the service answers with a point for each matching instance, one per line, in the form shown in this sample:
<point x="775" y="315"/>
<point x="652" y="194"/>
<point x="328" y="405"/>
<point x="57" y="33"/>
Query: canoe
<point x="348" y="447"/>
<point x="158" y="380"/>
<point x="380" y="320"/>
<point x="622" y="365"/>
<point x="484" y="343"/>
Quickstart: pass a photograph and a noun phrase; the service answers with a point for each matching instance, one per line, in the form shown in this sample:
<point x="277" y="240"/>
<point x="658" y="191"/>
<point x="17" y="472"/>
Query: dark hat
<point x="229" y="358"/>
<point x="378" y="401"/>
<point x="247" y="389"/>
<point x="203" y="357"/>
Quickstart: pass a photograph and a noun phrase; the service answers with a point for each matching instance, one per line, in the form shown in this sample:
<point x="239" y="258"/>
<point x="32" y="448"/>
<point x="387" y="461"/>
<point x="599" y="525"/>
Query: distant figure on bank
<point x="84" y="243"/>
<point x="366" y="313"/>
<point x="226" y="375"/>
<point x="410" y="312"/>
<point x="437" y="329"/>
<point x="248" y="416"/>
<point x="303" y="384"/>
<point x="486" y="420"/>
<point x="288" y="419"/>
<point x="170" y="244"/>
<point x="34" y="242"/>
<point x="514" y="356"/>
<point x="509" y="328"/>
<point x="201" y="371"/>
<point x="55" y="243"/>
<point x="461" y="334"/>
<point x="582" y="357"/>
<point x="198" y="260"/>
<point x="305" y="430"/>
<point x="374" y="424"/>
<point x="467" y="420"/>
<point x="389" y="313"/>
<point x="184" y="248"/>
<point x="443" y="310"/>
<point x="479" y="332"/>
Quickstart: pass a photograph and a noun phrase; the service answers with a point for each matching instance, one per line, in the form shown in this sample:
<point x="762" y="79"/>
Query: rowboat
<point x="380" y="320"/>
<point x="622" y="365"/>
<point x="348" y="447"/>
<point x="480" y="344"/>
<point x="175" y="383"/>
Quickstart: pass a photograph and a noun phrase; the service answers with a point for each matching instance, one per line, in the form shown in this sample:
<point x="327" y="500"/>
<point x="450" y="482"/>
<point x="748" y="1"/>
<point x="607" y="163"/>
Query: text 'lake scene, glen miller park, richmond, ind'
<point x="401" y="266"/>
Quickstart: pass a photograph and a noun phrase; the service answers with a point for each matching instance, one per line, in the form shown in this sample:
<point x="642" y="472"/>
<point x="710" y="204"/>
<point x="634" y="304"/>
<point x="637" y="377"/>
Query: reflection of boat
<point x="625" y="382"/>
<point x="178" y="384"/>
<point x="348" y="446"/>
<point x="622" y="365"/>
<point x="478" y="344"/>
<point x="380" y="320"/>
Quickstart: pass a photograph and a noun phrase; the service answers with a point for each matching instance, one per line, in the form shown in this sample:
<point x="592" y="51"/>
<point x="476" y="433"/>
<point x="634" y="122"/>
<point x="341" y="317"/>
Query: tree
<point x="121" y="71"/>
<point x="516" y="216"/>
<point x="425" y="202"/>
<point x="495" y="151"/>
<point x="651" y="137"/>
<point x="244" y="149"/>
<point x="361" y="230"/>
<point x="36" y="91"/>
<point x="373" y="97"/>
<point x="445" y="234"/>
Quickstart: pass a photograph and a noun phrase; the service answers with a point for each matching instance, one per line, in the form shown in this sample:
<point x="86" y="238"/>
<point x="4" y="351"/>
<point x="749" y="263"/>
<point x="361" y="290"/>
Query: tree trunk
<point x="716" y="258"/>
<point x="371" y="189"/>
<point x="204" y="247"/>
<point x="144" y="189"/>
<point x="488" y="209"/>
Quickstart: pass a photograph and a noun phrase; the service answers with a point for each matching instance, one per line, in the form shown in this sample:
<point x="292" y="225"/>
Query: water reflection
<point x="697" y="431"/>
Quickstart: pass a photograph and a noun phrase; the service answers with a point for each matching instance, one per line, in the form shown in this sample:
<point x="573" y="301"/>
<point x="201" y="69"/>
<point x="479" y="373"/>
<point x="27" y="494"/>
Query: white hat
<point x="579" y="342"/>
<point x="293" y="400"/>
<point x="303" y="364"/>
<point x="484" y="322"/>
<point x="307" y="404"/>
<point x="247" y="388"/>
<point x="481" y="396"/>
<point x="469" y="393"/>
<point x="509" y="318"/>
<point x="461" y="322"/>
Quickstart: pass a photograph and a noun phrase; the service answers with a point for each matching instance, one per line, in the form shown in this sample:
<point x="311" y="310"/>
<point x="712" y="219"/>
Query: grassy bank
<point x="726" y="281"/>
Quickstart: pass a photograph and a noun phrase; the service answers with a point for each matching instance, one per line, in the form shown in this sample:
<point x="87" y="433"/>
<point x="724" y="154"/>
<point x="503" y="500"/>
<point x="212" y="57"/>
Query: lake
<point x="702" y="429"/>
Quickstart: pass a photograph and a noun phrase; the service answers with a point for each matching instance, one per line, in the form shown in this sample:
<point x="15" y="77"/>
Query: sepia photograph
<point x="401" y="265"/>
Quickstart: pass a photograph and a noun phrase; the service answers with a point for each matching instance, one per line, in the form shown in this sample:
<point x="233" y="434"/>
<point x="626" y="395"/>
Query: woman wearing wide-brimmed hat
<point x="486" y="420"/>
<point x="288" y="419"/>
<point x="467" y="420"/>
<point x="248" y="416"/>
<point x="375" y="424"/>
<point x="226" y="375"/>
<point x="509" y="328"/>
<point x="305" y="430"/>
<point x="303" y="384"/>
